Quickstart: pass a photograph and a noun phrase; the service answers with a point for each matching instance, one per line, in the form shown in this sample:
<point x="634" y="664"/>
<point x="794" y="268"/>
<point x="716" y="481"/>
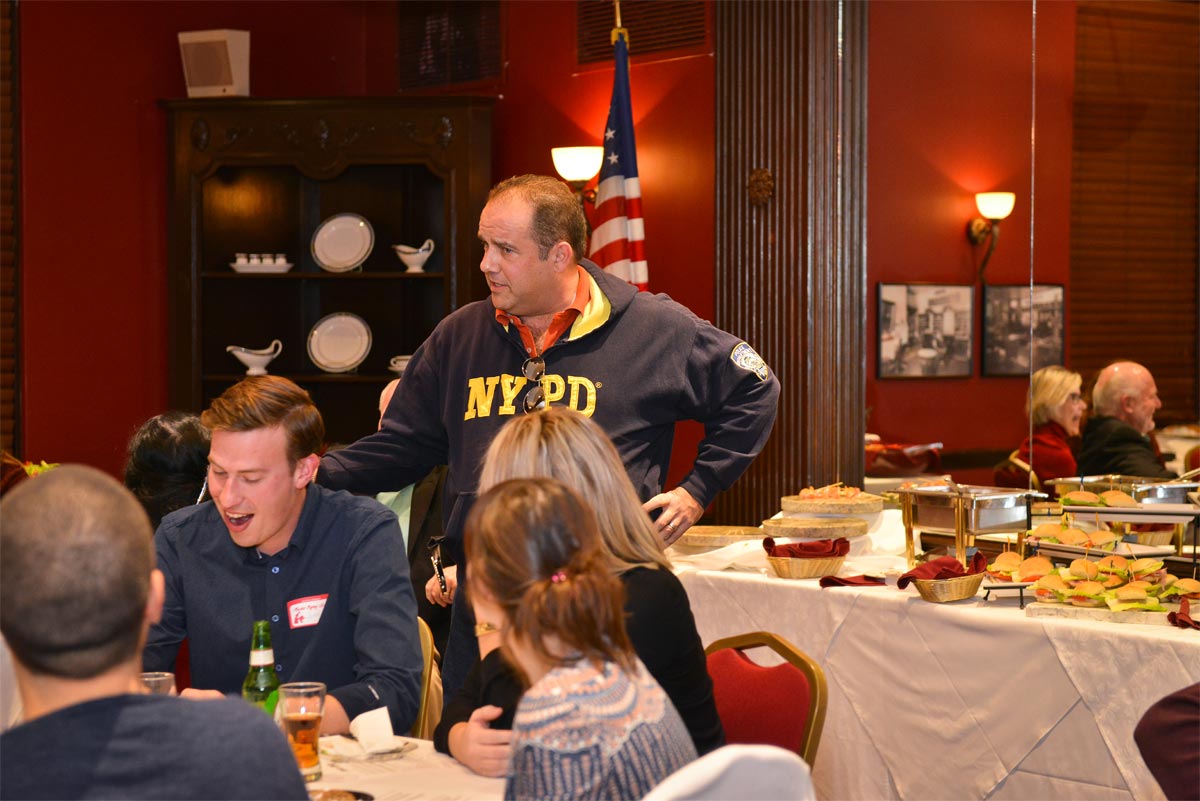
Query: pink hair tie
<point x="559" y="577"/>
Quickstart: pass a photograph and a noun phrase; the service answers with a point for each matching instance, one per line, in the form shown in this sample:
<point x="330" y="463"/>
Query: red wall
<point x="949" y="111"/>
<point x="94" y="174"/>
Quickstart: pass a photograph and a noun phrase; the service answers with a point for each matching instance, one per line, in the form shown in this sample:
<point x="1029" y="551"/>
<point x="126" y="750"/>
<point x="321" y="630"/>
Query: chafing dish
<point x="1147" y="489"/>
<point x="964" y="510"/>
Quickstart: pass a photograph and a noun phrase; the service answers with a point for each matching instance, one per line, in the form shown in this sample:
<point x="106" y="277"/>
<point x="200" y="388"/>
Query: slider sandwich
<point x="1081" y="498"/>
<point x="1033" y="569"/>
<point x="1004" y="565"/>
<point x="1183" y="588"/>
<point x="1087" y="593"/>
<point x="1103" y="539"/>
<point x="1080" y="570"/>
<point x="1131" y="598"/>
<point x="1147" y="569"/>
<point x="1117" y="498"/>
<point x="1051" y="589"/>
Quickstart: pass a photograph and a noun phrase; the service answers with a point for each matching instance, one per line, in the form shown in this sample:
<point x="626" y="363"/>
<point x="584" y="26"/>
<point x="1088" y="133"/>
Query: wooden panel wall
<point x="1134" y="226"/>
<point x="790" y="223"/>
<point x="8" y="228"/>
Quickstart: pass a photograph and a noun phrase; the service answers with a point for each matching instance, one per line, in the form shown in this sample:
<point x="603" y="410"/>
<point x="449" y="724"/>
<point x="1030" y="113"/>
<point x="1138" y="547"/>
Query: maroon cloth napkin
<point x="944" y="567"/>
<point x="817" y="549"/>
<point x="852" y="581"/>
<point x="1183" y="618"/>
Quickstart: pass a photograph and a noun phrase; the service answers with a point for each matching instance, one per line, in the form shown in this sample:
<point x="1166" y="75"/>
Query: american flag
<point x="618" y="243"/>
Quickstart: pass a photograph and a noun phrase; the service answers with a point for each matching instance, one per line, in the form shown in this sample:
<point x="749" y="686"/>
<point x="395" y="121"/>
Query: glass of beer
<point x="159" y="682"/>
<point x="300" y="707"/>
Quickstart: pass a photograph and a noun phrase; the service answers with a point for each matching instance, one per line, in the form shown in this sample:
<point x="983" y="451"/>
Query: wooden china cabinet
<point x="260" y="176"/>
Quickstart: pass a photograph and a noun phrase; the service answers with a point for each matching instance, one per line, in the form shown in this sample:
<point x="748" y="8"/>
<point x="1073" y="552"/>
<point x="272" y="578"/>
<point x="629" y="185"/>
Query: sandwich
<point x="1004" y="565"/>
<point x="1147" y="569"/>
<point x="1103" y="539"/>
<point x="1184" y="588"/>
<point x="1081" y="498"/>
<point x="1128" y="599"/>
<point x="1117" y="498"/>
<point x="1046" y="531"/>
<point x="1083" y="570"/>
<point x="1151" y="589"/>
<point x="1051" y="589"/>
<point x="1114" y="565"/>
<point x="1087" y="593"/>
<point x="1033" y="569"/>
<point x="1074" y="536"/>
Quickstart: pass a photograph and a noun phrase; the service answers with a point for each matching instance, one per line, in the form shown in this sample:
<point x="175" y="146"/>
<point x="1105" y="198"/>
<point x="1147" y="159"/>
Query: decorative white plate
<point x="339" y="342"/>
<point x="343" y="242"/>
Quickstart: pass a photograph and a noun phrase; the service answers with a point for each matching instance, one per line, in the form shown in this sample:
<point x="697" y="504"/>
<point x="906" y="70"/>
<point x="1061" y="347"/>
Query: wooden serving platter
<point x="862" y="504"/>
<point x="718" y="536"/>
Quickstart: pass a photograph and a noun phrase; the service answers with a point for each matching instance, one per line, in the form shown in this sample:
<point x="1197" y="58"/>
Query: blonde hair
<point x="1048" y="388"/>
<point x="561" y="443"/>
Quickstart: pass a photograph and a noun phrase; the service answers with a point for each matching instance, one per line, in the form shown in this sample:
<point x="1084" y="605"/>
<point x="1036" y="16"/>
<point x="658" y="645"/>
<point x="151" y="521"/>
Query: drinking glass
<point x="301" y="705"/>
<point x="159" y="682"/>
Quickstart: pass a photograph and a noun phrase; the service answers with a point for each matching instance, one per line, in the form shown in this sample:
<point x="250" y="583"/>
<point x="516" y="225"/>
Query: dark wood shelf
<point x="356" y="275"/>
<point x="309" y="378"/>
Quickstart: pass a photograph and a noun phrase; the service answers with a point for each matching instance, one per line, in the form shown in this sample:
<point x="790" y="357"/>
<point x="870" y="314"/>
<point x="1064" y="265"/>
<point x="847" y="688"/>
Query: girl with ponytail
<point x="593" y="723"/>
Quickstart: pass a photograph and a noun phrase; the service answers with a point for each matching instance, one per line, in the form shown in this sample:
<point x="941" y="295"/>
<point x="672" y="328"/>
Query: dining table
<point x="414" y="772"/>
<point x="972" y="699"/>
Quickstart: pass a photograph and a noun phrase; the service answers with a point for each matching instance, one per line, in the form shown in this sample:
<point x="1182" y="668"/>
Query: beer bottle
<point x="261" y="686"/>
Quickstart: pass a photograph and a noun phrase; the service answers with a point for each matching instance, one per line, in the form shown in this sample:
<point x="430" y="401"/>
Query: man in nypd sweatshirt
<point x="558" y="330"/>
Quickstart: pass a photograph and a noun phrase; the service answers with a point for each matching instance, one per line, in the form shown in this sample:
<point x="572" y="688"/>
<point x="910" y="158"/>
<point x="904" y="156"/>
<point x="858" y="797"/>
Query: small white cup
<point x="255" y="258"/>
<point x="240" y="258"/>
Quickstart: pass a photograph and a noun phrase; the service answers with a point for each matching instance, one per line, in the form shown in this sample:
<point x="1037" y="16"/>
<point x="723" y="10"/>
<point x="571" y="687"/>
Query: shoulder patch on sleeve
<point x="746" y="358"/>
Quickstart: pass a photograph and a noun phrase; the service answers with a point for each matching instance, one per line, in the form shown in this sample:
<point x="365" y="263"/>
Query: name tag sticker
<point x="304" y="612"/>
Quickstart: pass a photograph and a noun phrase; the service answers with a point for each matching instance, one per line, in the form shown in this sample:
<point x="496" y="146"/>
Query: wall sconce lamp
<point x="993" y="207"/>
<point x="577" y="166"/>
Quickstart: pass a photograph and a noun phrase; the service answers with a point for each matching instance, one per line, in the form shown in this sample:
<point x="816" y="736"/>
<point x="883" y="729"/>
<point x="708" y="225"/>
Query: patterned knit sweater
<point x="583" y="733"/>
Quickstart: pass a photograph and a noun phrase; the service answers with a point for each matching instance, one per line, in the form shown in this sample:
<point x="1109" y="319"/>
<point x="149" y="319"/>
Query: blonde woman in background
<point x="563" y="444"/>
<point x="1055" y="406"/>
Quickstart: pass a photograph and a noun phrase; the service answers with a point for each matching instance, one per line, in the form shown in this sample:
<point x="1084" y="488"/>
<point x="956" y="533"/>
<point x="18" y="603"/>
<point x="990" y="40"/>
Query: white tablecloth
<point x="419" y="775"/>
<point x="970" y="700"/>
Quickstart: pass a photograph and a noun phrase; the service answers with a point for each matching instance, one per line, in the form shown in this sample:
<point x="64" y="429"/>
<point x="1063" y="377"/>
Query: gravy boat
<point x="256" y="361"/>
<point x="414" y="258"/>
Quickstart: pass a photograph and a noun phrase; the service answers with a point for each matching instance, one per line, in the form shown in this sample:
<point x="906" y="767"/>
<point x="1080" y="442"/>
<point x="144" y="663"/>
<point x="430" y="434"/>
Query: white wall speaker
<point x="216" y="63"/>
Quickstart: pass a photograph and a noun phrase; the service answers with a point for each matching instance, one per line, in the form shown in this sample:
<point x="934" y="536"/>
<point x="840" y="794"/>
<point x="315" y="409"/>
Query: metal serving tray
<point x="984" y="509"/>
<point x="1145" y="489"/>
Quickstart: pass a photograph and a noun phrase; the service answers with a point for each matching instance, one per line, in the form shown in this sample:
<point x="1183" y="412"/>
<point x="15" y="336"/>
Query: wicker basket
<point x="1154" y="537"/>
<point x="952" y="589"/>
<point x="805" y="568"/>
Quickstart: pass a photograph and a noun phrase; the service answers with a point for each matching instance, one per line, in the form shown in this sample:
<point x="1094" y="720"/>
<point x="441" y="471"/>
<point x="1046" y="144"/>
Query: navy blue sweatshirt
<point x="634" y="362"/>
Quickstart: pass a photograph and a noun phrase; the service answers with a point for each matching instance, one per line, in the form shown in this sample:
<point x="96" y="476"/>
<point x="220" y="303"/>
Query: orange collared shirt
<point x="559" y="324"/>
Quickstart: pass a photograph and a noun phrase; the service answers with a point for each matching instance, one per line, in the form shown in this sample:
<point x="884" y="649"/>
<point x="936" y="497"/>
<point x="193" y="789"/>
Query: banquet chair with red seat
<point x="782" y="705"/>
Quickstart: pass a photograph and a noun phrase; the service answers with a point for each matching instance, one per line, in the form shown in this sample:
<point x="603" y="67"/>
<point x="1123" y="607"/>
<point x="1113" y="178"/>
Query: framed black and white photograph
<point x="1011" y="314"/>
<point x="926" y="330"/>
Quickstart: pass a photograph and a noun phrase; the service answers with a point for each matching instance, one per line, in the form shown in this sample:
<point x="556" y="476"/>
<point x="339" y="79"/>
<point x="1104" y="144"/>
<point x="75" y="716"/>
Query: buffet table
<point x="969" y="700"/>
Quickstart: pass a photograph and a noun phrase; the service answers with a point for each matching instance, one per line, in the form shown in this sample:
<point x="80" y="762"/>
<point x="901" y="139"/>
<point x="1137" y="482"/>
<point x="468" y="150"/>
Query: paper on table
<point x="373" y="731"/>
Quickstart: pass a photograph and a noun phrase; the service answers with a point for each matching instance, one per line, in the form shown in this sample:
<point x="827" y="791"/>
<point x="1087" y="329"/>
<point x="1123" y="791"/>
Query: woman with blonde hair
<point x="593" y="723"/>
<point x="1055" y="406"/>
<point x="563" y="444"/>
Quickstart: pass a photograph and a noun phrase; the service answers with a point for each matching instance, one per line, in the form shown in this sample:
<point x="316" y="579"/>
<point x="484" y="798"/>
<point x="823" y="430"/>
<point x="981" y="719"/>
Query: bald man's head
<point x="1126" y="391"/>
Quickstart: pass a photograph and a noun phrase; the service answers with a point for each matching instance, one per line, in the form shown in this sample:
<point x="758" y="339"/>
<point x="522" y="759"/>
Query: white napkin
<point x="373" y="731"/>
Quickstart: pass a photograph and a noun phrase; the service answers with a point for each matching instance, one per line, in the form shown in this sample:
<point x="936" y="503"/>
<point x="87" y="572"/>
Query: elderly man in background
<point x="78" y="591"/>
<point x="1115" y="439"/>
